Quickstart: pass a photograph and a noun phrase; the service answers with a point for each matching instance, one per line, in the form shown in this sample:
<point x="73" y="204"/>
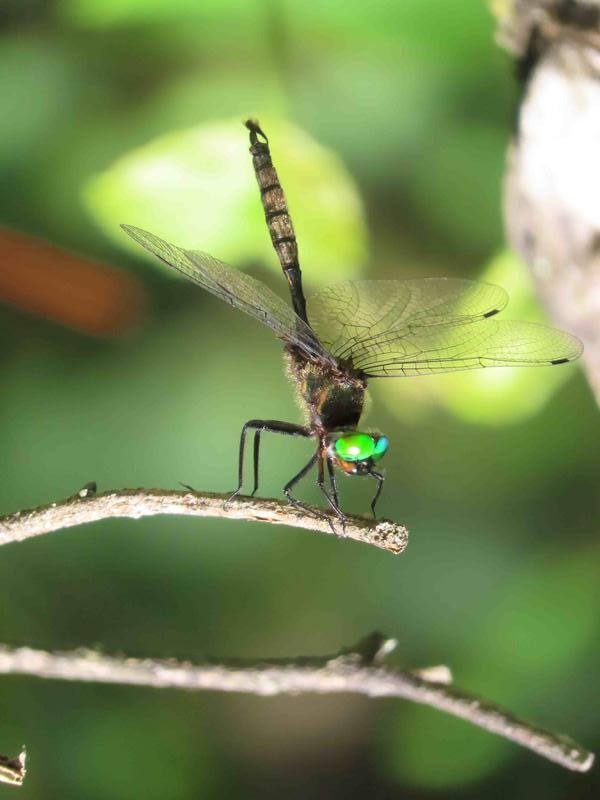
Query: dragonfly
<point x="352" y="332"/>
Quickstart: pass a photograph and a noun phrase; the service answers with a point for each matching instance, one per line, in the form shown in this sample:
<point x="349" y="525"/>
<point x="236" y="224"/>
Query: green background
<point x="389" y="123"/>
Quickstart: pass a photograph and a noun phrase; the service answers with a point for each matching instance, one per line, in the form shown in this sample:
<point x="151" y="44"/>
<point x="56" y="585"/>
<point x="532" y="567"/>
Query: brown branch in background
<point x="359" y="670"/>
<point x="12" y="770"/>
<point x="552" y="191"/>
<point x="81" y="294"/>
<point x="86" y="507"/>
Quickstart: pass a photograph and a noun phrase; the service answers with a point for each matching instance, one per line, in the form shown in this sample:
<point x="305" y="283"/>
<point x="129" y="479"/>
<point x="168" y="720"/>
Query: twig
<point x="359" y="670"/>
<point x="87" y="507"/>
<point x="12" y="770"/>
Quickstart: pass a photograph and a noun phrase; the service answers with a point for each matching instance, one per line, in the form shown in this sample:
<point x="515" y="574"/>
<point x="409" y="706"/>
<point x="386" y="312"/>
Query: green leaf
<point x="196" y="188"/>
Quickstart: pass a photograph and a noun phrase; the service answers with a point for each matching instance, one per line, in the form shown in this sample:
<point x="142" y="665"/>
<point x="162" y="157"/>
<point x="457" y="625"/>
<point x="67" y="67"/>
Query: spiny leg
<point x="379" y="477"/>
<point x="260" y="425"/>
<point x="332" y="478"/>
<point x="321" y="484"/>
<point x="255" y="457"/>
<point x="287" y="490"/>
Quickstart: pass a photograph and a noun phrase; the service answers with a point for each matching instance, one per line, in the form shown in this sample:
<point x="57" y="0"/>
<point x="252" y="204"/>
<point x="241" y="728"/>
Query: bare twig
<point x="12" y="770"/>
<point x="359" y="670"/>
<point x="87" y="507"/>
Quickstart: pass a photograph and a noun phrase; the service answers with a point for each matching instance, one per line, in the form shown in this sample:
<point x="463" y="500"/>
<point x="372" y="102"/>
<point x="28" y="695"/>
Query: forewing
<point x="355" y="316"/>
<point x="236" y="288"/>
<point x="483" y="343"/>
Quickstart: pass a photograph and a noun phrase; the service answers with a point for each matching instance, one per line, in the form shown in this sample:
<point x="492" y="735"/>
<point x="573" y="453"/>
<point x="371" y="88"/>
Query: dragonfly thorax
<point x="356" y="453"/>
<point x="332" y="400"/>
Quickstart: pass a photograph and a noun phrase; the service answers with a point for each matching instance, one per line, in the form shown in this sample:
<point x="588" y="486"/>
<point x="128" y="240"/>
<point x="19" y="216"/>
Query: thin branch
<point x="12" y="770"/>
<point x="86" y="507"/>
<point x="359" y="670"/>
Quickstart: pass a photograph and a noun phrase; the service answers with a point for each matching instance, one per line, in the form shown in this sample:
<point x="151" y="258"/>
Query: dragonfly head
<point x="356" y="453"/>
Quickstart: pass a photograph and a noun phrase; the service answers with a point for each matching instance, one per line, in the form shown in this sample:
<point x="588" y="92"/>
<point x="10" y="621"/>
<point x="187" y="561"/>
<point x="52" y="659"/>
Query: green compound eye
<point x="355" y="447"/>
<point x="381" y="447"/>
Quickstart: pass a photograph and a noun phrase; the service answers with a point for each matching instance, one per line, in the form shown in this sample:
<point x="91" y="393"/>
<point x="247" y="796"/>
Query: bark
<point x="552" y="187"/>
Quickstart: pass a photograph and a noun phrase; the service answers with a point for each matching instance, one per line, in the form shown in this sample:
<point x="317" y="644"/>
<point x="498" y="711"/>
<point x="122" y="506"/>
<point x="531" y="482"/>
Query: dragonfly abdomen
<point x="277" y="215"/>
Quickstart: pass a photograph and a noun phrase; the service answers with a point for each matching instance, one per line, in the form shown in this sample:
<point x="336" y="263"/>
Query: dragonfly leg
<point x="259" y="426"/>
<point x="333" y="501"/>
<point x="287" y="490"/>
<point x="332" y="478"/>
<point x="379" y="477"/>
<point x="255" y="457"/>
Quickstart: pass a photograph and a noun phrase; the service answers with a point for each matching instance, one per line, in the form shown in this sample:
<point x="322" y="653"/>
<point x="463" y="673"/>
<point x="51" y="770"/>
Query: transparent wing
<point x="483" y="343"/>
<point x="414" y="327"/>
<point x="236" y="288"/>
<point x="356" y="315"/>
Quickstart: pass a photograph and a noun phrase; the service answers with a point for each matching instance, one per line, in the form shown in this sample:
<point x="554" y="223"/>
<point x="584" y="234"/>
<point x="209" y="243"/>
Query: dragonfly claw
<point x="227" y="502"/>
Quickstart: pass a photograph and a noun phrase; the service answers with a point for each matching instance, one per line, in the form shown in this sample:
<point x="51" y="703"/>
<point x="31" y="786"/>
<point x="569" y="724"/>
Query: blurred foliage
<point x="386" y="117"/>
<point x="34" y="69"/>
<point x="123" y="12"/>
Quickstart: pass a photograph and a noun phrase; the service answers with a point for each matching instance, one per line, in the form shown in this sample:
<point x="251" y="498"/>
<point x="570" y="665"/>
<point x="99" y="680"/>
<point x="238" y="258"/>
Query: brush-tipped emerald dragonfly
<point x="353" y="331"/>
